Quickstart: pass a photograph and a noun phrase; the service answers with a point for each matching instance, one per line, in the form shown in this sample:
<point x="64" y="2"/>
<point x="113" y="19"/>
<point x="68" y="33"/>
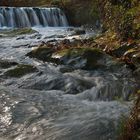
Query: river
<point x="57" y="102"/>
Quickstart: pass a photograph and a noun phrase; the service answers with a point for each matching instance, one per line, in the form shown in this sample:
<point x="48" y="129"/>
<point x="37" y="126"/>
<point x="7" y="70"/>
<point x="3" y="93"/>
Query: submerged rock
<point x="20" y="71"/>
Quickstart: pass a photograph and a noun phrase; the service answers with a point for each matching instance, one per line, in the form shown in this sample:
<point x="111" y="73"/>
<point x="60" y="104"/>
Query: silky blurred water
<point x="51" y="104"/>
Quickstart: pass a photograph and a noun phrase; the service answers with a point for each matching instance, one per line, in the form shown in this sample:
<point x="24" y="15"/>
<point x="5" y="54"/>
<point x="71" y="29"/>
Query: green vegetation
<point x="121" y="16"/>
<point x="20" y="71"/>
<point x="15" y="32"/>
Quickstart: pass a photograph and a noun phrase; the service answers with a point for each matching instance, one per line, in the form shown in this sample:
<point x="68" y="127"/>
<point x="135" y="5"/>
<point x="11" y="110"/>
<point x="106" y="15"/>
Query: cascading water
<point x="28" y="17"/>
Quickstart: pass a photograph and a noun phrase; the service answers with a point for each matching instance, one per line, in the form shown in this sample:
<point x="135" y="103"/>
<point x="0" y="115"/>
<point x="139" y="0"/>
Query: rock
<point x="65" y="69"/>
<point x="43" y="53"/>
<point x="21" y="37"/>
<point x="87" y="58"/>
<point x="15" y="32"/>
<point x="20" y="71"/>
<point x="7" y="64"/>
<point x="54" y="36"/>
<point x="78" y="32"/>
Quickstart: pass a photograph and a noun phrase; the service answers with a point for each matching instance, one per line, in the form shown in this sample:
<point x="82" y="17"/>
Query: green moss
<point x="6" y="64"/>
<point x="42" y="53"/>
<point x="15" y="32"/>
<point x="61" y="52"/>
<point x="20" y="71"/>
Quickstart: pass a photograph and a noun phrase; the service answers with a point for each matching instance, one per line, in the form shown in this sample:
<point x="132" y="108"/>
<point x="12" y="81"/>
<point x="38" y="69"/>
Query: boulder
<point x="43" y="53"/>
<point x="4" y="64"/>
<point x="20" y="70"/>
<point x="88" y="59"/>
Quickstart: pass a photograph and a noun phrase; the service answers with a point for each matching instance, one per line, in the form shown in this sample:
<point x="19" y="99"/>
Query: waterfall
<point x="29" y="17"/>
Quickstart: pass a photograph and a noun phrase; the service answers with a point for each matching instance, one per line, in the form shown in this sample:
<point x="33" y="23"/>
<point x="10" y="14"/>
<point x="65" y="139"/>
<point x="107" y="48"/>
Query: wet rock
<point x="15" y="32"/>
<point x="87" y="58"/>
<point x="43" y="53"/>
<point x="20" y="71"/>
<point x="35" y="36"/>
<point x="54" y="36"/>
<point x="7" y="64"/>
<point x="65" y="69"/>
<point x="21" y="37"/>
<point x="79" y="32"/>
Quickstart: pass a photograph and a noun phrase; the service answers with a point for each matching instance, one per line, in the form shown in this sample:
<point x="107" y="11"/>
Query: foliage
<point x="121" y="16"/>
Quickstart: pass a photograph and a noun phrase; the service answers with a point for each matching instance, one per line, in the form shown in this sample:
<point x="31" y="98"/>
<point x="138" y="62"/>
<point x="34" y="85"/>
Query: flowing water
<point x="57" y="102"/>
<point x="29" y="17"/>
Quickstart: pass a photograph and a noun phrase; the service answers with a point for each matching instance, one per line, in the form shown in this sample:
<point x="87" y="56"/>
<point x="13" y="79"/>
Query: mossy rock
<point x="20" y="71"/>
<point x="42" y="53"/>
<point x="15" y="32"/>
<point x="4" y="64"/>
<point x="84" y="58"/>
